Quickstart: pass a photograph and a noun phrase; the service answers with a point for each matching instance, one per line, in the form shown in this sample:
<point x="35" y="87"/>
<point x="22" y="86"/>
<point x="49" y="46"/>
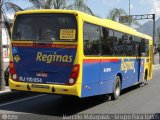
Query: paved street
<point x="45" y="107"/>
<point x="156" y="57"/>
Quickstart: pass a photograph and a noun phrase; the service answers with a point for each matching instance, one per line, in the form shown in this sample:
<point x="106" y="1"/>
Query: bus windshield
<point x="45" y="27"/>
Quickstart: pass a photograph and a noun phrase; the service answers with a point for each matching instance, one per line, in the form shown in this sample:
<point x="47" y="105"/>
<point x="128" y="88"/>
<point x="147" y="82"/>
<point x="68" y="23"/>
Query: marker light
<point x="71" y="81"/>
<point x="14" y="76"/>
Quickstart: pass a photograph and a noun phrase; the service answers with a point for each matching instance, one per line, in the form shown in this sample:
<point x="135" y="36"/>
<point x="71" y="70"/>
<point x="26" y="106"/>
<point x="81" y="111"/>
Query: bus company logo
<point x="10" y="117"/>
<point x="128" y="65"/>
<point x="17" y="58"/>
<point x="41" y="74"/>
<point x="49" y="58"/>
<point x="4" y="116"/>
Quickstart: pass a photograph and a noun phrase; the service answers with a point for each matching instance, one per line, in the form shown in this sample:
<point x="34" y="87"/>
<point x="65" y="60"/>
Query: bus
<point x="69" y="52"/>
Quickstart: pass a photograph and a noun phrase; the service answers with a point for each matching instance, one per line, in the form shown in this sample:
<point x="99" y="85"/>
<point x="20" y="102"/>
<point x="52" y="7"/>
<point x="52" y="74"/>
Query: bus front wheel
<point x="116" y="89"/>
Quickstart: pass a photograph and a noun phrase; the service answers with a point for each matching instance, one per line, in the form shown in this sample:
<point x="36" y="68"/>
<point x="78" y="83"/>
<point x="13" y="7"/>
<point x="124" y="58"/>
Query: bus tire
<point x="116" y="89"/>
<point x="145" y="77"/>
<point x="144" y="82"/>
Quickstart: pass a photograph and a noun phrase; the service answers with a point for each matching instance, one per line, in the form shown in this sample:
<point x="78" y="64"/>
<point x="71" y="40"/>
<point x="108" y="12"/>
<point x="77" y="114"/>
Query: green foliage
<point x="120" y="15"/>
<point x="8" y="5"/>
<point x="51" y="4"/>
<point x="48" y="4"/>
<point x="116" y="13"/>
<point x="81" y="6"/>
<point x="61" y="4"/>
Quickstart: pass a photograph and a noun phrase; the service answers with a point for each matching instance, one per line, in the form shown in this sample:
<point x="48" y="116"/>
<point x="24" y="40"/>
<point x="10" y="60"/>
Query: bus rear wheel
<point x="144" y="82"/>
<point x="117" y="89"/>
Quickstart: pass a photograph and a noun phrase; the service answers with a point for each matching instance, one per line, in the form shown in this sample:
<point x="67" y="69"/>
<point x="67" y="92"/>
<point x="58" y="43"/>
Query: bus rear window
<point x="45" y="27"/>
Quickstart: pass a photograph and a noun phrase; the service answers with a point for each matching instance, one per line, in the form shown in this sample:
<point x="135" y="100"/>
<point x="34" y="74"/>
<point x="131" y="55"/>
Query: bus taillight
<point x="74" y="74"/>
<point x="12" y="70"/>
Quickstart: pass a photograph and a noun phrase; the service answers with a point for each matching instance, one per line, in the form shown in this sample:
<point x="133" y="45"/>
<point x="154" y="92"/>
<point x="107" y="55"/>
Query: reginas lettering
<point x="49" y="58"/>
<point x="127" y="65"/>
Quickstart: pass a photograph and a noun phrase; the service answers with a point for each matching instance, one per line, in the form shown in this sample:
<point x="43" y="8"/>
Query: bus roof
<point x="92" y="19"/>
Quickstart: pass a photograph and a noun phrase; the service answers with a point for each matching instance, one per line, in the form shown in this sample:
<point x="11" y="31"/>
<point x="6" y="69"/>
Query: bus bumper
<point x="74" y="90"/>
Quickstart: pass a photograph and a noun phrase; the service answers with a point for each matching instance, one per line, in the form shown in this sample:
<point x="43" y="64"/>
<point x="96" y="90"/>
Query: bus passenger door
<point x="137" y="63"/>
<point x="150" y="60"/>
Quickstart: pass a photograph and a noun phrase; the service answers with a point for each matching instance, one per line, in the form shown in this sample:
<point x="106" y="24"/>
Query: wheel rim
<point x="117" y="89"/>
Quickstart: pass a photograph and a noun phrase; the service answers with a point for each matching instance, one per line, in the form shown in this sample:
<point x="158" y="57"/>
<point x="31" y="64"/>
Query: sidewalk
<point x="6" y="60"/>
<point x="6" y="90"/>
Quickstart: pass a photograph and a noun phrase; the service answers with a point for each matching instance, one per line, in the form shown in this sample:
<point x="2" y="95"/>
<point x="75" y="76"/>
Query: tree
<point x="48" y="4"/>
<point x="81" y="6"/>
<point x="115" y="15"/>
<point x="52" y="4"/>
<point x="6" y="6"/>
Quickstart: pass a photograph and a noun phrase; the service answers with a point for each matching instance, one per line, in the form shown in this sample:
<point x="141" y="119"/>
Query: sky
<point x="103" y="7"/>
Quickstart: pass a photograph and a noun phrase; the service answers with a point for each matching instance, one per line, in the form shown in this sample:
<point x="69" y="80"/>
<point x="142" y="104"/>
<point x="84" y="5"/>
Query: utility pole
<point x="2" y="83"/>
<point x="158" y="30"/>
<point x="129" y="7"/>
<point x="154" y="22"/>
<point x="129" y="12"/>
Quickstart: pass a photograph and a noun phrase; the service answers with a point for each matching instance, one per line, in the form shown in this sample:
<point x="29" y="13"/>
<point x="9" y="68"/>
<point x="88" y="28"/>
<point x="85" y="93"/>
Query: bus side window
<point x="142" y="48"/>
<point x="118" y="43"/>
<point x="128" y="45"/>
<point x="146" y="48"/>
<point x="136" y="44"/>
<point x="91" y="39"/>
<point x="107" y="42"/>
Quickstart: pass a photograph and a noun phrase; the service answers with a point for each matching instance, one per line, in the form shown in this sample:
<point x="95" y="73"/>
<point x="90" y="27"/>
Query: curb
<point x="5" y="91"/>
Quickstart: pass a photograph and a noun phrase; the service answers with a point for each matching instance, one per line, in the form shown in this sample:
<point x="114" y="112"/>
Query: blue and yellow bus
<point x="69" y="52"/>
